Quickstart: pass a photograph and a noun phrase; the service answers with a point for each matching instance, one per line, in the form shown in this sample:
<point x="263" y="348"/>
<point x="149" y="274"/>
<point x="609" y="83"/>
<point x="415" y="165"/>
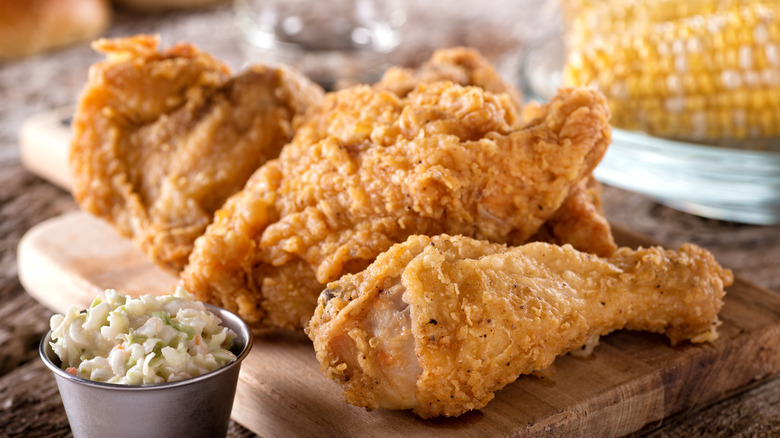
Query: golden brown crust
<point x="483" y="313"/>
<point x="580" y="222"/>
<point x="369" y="168"/>
<point x="162" y="138"/>
<point x="460" y="65"/>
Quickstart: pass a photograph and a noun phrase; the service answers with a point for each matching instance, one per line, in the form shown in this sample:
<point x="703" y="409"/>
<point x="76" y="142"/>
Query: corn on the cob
<point x="699" y="70"/>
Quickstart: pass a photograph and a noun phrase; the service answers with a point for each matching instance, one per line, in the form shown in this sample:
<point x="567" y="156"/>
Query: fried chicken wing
<point x="439" y="324"/>
<point x="580" y="221"/>
<point x="369" y="169"/>
<point x="163" y="138"/>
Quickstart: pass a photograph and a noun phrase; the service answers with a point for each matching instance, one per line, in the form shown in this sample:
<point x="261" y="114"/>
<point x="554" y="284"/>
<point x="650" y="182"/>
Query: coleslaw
<point x="144" y="340"/>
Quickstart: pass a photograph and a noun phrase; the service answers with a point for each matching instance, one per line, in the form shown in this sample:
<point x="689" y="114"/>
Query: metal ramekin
<point x="196" y="407"/>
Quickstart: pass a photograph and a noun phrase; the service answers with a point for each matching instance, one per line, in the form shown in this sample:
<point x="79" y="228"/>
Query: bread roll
<point x="33" y="26"/>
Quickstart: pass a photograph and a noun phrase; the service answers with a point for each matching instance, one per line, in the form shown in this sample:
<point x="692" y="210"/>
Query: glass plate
<point x="724" y="183"/>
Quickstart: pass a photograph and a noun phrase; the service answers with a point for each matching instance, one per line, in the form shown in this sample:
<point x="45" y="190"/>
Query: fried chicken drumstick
<point x="439" y="324"/>
<point x="163" y="138"/>
<point x="369" y="169"/>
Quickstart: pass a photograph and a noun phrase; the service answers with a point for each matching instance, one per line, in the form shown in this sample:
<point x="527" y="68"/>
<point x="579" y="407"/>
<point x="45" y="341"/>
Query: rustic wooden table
<point x="29" y="401"/>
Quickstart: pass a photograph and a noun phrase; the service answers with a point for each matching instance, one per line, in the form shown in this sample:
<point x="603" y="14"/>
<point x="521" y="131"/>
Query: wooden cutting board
<point x="631" y="381"/>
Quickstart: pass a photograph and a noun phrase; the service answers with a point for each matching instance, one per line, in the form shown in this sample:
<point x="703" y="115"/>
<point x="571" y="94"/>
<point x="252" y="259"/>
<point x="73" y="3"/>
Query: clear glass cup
<point x="335" y="43"/>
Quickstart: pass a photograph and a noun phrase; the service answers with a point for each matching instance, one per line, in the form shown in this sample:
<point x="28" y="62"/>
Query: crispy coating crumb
<point x="460" y="65"/>
<point x="580" y="222"/>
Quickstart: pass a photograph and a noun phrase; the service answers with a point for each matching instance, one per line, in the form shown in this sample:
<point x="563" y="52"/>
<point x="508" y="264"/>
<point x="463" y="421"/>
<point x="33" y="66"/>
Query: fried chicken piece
<point x="439" y="324"/>
<point x="370" y="169"/>
<point x="460" y="65"/>
<point x="162" y="138"/>
<point x="580" y="221"/>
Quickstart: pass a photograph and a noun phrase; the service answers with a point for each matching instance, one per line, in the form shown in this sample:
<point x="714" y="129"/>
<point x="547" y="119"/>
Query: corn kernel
<point x="718" y="41"/>
<point x="745" y="57"/>
<point x="759" y="59"/>
<point x="730" y="79"/>
<point x="739" y="99"/>
<point x="745" y="36"/>
<point x="731" y="59"/>
<point x="694" y="63"/>
<point x="757" y="99"/>
<point x="760" y="34"/>
<point x="706" y="84"/>
<point x="772" y="54"/>
<point x="646" y="85"/>
<point x="773" y="29"/>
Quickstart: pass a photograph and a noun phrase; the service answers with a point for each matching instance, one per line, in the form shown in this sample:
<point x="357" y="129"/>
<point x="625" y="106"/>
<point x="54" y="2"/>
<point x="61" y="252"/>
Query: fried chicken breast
<point x="439" y="324"/>
<point x="162" y="138"/>
<point x="369" y="168"/>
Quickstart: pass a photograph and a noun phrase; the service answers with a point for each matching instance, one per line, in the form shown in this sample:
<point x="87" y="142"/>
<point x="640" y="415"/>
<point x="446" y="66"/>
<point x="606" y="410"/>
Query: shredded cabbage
<point x="144" y="340"/>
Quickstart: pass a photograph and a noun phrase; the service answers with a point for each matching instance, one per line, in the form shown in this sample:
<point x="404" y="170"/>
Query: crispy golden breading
<point x="439" y="324"/>
<point x="580" y="220"/>
<point x="369" y="169"/>
<point x="461" y="65"/>
<point x="163" y="138"/>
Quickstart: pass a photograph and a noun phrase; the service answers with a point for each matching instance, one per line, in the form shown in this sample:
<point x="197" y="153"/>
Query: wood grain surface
<point x="631" y="380"/>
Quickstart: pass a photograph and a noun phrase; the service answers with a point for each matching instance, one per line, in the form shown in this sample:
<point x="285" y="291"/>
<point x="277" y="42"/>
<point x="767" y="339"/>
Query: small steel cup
<point x="196" y="407"/>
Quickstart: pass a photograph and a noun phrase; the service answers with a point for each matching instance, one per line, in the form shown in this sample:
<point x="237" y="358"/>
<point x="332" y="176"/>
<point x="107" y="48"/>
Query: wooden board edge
<point x="41" y="272"/>
<point x="37" y="284"/>
<point x="44" y="145"/>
